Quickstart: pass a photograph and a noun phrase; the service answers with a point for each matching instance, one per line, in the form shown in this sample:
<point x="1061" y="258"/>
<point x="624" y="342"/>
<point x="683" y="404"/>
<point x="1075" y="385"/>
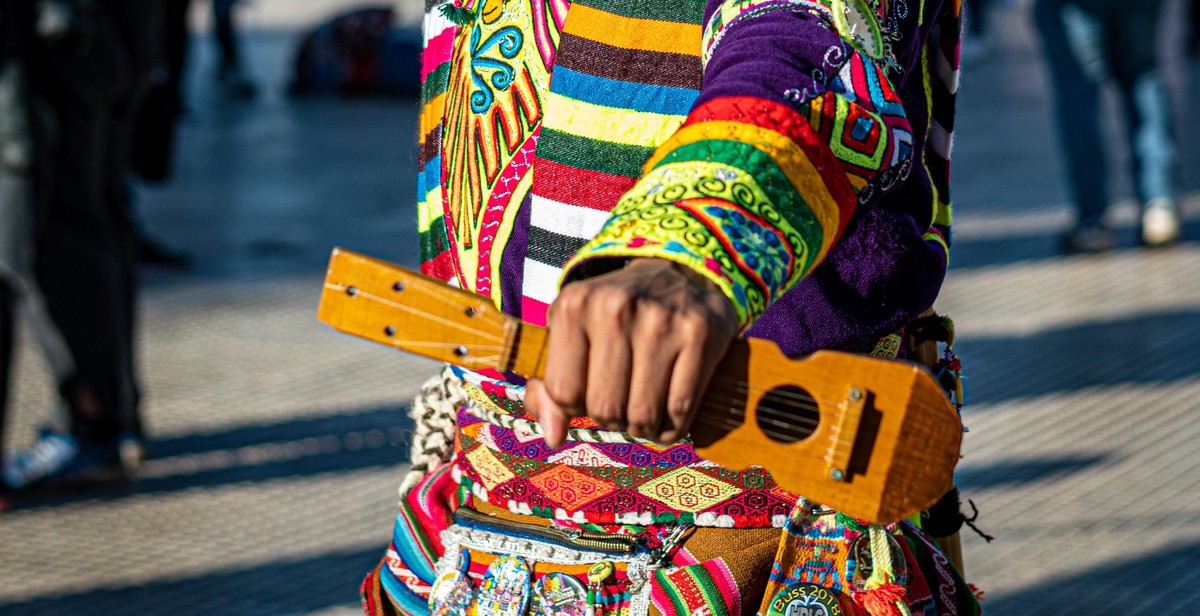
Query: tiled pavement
<point x="278" y="444"/>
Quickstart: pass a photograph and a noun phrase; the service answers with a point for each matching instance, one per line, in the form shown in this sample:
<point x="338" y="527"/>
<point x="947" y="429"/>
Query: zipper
<point x="566" y="537"/>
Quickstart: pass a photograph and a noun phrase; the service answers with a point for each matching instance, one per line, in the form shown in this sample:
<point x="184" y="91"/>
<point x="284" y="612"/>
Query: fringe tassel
<point x="882" y="596"/>
<point x="458" y="15"/>
<point x="886" y="600"/>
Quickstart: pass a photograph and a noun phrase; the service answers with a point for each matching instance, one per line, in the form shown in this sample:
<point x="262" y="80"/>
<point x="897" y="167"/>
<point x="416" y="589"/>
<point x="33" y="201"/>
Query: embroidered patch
<point x="490" y="469"/>
<point x="505" y="588"/>
<point x="805" y="600"/>
<point x="558" y="594"/>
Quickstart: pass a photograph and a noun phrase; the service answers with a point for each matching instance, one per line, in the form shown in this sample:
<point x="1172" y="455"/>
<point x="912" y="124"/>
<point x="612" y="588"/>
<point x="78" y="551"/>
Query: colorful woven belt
<point x="602" y="476"/>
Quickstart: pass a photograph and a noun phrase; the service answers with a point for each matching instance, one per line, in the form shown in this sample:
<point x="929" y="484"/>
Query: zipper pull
<point x="668" y="543"/>
<point x="571" y="534"/>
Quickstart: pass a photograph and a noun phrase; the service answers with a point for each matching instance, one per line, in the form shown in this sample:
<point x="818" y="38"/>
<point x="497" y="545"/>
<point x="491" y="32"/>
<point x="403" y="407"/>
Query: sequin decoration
<point x="558" y="594"/>
<point x="505" y="588"/>
<point x="859" y="25"/>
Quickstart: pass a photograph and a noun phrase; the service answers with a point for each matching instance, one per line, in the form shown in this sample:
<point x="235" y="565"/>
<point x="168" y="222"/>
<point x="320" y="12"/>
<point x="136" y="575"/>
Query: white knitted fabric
<point x="433" y="412"/>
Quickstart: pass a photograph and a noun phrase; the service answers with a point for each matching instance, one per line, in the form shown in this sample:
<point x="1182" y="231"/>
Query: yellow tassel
<point x="882" y="596"/>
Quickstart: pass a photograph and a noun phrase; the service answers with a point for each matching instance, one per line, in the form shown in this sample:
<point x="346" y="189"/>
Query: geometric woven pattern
<point x="612" y="482"/>
<point x="492" y="471"/>
<point x="688" y="489"/>
<point x="570" y="487"/>
<point x="582" y="455"/>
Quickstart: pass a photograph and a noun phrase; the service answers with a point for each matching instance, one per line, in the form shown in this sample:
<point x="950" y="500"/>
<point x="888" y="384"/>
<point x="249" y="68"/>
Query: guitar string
<point x="795" y="431"/>
<point x="763" y="413"/>
<point x="446" y="345"/>
<point x="730" y="395"/>
<point x="735" y="389"/>
<point x="770" y="421"/>
<point x="719" y="394"/>
<point x="784" y="422"/>
<point x="788" y="423"/>
<point x="477" y="308"/>
<point x="499" y="341"/>
<point x="411" y="310"/>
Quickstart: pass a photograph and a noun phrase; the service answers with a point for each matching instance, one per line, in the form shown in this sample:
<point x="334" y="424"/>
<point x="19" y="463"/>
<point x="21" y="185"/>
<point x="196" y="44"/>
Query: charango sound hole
<point x="787" y="414"/>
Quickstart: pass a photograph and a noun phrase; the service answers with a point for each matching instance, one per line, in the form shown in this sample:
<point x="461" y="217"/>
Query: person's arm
<point x="739" y="205"/>
<point x="888" y="267"/>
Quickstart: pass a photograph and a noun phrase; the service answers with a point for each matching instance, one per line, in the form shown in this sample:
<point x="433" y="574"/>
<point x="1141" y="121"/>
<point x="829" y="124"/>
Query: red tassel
<point x="881" y="601"/>
<point x="977" y="592"/>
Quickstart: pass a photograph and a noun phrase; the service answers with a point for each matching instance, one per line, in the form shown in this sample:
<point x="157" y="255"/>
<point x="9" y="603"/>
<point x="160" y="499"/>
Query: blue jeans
<point x="1087" y="41"/>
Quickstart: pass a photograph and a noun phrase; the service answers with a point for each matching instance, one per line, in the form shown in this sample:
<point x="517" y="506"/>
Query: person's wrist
<point x="687" y="272"/>
<point x="718" y="303"/>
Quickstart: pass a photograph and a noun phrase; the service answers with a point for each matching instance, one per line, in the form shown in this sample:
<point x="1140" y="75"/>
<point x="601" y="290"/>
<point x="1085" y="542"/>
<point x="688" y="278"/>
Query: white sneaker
<point x="1160" y="223"/>
<point x="52" y="452"/>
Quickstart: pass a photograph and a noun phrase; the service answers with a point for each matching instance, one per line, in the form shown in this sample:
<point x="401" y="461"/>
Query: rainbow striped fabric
<point x="626" y="76"/>
<point x="757" y="187"/>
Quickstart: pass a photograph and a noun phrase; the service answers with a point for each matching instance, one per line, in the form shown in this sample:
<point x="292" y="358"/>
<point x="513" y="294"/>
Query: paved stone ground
<point x="278" y="444"/>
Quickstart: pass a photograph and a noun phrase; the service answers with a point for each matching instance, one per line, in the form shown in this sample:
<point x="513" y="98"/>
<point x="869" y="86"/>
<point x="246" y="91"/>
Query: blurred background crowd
<point x="92" y="93"/>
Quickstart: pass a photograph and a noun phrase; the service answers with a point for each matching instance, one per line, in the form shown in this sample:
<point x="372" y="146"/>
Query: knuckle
<point x="616" y="306"/>
<point x="643" y="416"/>
<point x="658" y="322"/>
<point x="563" y="394"/>
<point x="679" y="408"/>
<point x="695" y="327"/>
<point x="604" y="410"/>
<point x="571" y="302"/>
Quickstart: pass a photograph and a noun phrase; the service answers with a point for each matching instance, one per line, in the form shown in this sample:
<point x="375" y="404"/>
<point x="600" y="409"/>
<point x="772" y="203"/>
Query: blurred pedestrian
<point x="1193" y="28"/>
<point x="1088" y="42"/>
<point x="975" y="45"/>
<point x="89" y="65"/>
<point x="231" y="72"/>
<point x="19" y="294"/>
<point x="15" y="158"/>
<point x="152" y="149"/>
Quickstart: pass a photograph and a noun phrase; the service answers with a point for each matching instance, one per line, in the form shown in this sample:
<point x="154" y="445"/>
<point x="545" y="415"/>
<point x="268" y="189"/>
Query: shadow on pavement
<point x="1029" y="248"/>
<point x="1154" y="591"/>
<point x="1023" y="472"/>
<point x="336" y="443"/>
<point x="286" y="586"/>
<point x="1127" y="350"/>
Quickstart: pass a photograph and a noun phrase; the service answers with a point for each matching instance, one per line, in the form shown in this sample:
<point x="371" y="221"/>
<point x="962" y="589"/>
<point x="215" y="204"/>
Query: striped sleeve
<point x="792" y="125"/>
<point x="439" y="32"/>
<point x="941" y="65"/>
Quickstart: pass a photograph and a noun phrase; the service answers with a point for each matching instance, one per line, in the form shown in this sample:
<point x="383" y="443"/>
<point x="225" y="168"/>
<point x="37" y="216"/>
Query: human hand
<point x="633" y="350"/>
